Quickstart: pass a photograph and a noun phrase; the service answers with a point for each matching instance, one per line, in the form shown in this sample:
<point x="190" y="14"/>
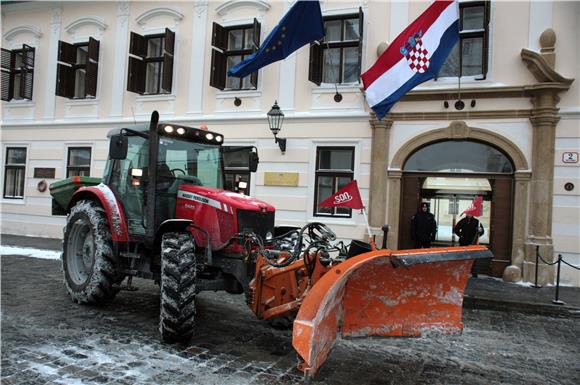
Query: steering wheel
<point x="174" y="170"/>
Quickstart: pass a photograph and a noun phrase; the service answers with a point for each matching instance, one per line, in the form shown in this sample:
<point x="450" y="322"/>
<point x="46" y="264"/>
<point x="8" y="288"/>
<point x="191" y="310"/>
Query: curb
<point x="521" y="307"/>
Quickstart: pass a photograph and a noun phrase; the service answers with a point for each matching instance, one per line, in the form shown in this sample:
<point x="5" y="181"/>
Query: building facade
<point x="510" y="132"/>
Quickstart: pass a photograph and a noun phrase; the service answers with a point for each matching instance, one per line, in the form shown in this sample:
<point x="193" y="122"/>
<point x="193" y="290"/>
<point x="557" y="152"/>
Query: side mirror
<point x="253" y="161"/>
<point x="118" y="147"/>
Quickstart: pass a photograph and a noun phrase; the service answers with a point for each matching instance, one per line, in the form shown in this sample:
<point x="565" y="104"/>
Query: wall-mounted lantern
<point x="275" y="120"/>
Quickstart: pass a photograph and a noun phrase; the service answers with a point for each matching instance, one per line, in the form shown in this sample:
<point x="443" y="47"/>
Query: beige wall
<point x="312" y="117"/>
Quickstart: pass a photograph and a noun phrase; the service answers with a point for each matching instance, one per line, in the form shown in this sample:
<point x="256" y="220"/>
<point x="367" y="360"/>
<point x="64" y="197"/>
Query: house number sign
<point x="570" y="157"/>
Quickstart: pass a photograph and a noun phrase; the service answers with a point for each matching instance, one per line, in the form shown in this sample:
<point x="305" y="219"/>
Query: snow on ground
<point x="30" y="252"/>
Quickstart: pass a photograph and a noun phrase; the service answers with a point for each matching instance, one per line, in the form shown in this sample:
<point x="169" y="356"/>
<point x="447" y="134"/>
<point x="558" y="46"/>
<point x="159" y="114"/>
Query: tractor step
<point x="130" y="255"/>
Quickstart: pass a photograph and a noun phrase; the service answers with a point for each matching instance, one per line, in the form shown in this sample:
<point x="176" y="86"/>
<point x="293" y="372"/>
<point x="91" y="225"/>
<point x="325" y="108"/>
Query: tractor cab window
<point x="183" y="162"/>
<point x="126" y="184"/>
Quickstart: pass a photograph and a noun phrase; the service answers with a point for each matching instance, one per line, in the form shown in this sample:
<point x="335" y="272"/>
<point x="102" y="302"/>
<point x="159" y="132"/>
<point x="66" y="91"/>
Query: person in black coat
<point x="468" y="229"/>
<point x="423" y="227"/>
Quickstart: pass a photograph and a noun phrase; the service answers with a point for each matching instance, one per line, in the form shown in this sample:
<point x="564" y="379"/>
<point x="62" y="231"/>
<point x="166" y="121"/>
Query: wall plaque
<point x="46" y="173"/>
<point x="281" y="179"/>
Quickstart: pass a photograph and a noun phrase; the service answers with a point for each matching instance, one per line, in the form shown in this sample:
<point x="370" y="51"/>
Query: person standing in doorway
<point x="423" y="227"/>
<point x="468" y="229"/>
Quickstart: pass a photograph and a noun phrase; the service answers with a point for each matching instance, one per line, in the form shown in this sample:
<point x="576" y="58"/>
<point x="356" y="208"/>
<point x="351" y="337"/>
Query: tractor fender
<point x="113" y="209"/>
<point x="171" y="225"/>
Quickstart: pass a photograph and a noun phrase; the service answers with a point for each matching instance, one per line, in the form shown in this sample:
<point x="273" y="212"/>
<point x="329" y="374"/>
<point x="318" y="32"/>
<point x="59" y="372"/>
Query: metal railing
<point x="559" y="262"/>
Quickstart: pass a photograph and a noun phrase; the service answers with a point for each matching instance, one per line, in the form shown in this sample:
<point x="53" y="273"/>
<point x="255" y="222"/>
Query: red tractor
<point x="160" y="212"/>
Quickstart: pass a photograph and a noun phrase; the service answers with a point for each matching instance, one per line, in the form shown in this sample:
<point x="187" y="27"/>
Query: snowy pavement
<point x="46" y="339"/>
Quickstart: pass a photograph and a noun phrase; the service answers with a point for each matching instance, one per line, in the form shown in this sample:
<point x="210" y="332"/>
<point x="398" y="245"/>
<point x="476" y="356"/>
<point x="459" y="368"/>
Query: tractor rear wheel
<point x="87" y="258"/>
<point x="178" y="273"/>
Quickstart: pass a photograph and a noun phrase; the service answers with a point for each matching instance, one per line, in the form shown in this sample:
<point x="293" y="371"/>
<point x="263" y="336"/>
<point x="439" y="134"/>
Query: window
<point x="236" y="170"/>
<point x="231" y="46"/>
<point x="78" y="161"/>
<point x="334" y="169"/>
<point x="14" y="172"/>
<point x="469" y="57"/>
<point x="17" y="73"/>
<point x="337" y="57"/>
<point x="151" y="67"/>
<point x="76" y="76"/>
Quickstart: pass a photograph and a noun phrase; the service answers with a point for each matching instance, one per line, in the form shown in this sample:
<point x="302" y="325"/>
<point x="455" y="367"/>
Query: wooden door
<point x="410" y="199"/>
<point x="501" y="224"/>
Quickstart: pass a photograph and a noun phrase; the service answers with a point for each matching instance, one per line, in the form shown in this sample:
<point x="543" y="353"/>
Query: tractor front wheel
<point x="178" y="273"/>
<point x="87" y="257"/>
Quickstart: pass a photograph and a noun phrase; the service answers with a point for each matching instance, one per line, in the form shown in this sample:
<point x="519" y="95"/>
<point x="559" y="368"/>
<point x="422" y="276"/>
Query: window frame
<point x="70" y="168"/>
<point x="335" y="173"/>
<point x="67" y="69"/>
<point x="139" y="60"/>
<point x="317" y="49"/>
<point x="469" y="34"/>
<point x="220" y="54"/>
<point x="18" y="166"/>
<point x="25" y="70"/>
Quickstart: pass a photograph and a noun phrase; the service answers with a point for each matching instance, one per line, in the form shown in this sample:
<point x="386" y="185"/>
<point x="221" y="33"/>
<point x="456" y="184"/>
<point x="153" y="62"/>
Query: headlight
<point x="168" y="129"/>
<point x="181" y="130"/>
<point x="269" y="236"/>
<point x="218" y="138"/>
<point x="209" y="136"/>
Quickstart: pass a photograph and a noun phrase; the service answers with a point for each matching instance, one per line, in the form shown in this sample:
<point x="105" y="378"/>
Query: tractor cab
<point x="136" y="171"/>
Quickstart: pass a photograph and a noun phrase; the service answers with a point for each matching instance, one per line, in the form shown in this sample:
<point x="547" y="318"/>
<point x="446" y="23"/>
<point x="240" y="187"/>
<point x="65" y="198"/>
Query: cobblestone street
<point x="46" y="339"/>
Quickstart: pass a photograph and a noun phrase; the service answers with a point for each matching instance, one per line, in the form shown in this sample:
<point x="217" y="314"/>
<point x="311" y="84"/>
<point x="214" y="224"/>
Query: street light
<point x="275" y="120"/>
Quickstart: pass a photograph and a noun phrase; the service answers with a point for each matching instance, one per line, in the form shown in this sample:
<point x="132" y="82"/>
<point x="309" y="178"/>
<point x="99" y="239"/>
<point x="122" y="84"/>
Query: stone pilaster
<point x="394" y="179"/>
<point x="379" y="164"/>
<point x="544" y="118"/>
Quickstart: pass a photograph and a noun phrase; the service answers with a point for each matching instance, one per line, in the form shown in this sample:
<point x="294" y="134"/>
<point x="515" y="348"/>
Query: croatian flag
<point x="414" y="57"/>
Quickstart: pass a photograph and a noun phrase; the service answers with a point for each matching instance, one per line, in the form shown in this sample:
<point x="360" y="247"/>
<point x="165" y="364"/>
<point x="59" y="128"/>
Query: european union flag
<point x="302" y="24"/>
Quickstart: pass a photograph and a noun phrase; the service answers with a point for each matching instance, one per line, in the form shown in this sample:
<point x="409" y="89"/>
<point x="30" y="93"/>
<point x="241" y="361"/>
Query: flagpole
<point x="372" y="241"/>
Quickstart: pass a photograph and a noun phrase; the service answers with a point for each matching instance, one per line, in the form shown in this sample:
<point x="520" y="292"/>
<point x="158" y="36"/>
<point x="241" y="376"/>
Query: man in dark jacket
<point x="468" y="229"/>
<point x="423" y="227"/>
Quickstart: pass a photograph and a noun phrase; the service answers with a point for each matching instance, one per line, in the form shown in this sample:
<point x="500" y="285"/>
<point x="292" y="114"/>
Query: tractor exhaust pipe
<point x="152" y="177"/>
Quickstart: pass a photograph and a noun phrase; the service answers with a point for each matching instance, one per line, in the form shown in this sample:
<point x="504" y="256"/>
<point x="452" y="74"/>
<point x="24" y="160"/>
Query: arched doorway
<point x="449" y="174"/>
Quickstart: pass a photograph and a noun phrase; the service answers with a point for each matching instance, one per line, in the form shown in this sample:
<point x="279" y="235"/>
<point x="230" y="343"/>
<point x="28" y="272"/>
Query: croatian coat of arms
<point x="416" y="54"/>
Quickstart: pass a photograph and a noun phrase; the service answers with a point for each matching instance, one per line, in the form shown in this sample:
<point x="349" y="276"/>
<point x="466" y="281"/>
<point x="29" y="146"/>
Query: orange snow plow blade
<point x="384" y="293"/>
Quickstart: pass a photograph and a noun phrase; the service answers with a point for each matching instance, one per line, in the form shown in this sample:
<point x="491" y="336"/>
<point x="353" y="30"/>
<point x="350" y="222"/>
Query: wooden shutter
<point x="360" y="39"/>
<point x="91" y="79"/>
<point x="92" y="69"/>
<point x="218" y="70"/>
<point x="136" y="76"/>
<point x="169" y="41"/>
<point x="167" y="76"/>
<point x="27" y="72"/>
<point x="219" y="37"/>
<point x="93" y="50"/>
<point x="315" y="65"/>
<point x="65" y="81"/>
<point x="500" y="234"/>
<point x="7" y="59"/>
<point x="256" y="41"/>
<point x="67" y="53"/>
<point x="138" y="45"/>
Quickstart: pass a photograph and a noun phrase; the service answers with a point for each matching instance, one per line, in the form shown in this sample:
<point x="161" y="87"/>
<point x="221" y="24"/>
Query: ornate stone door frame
<point x="459" y="130"/>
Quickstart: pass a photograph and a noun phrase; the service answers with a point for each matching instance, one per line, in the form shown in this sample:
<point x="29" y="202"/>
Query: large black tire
<point x="87" y="258"/>
<point x="178" y="271"/>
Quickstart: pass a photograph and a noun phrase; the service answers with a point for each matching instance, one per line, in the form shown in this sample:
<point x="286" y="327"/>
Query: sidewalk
<point x="481" y="293"/>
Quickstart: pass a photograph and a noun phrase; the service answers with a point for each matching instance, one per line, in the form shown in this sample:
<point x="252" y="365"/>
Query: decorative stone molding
<point x="541" y="68"/>
<point x="32" y="29"/>
<point x="231" y="5"/>
<point x="152" y="13"/>
<point x="84" y="21"/>
<point x="459" y="130"/>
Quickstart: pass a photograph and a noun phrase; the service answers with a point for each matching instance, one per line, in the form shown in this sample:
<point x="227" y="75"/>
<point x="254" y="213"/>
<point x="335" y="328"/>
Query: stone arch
<point x="95" y="21"/>
<point x="459" y="130"/>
